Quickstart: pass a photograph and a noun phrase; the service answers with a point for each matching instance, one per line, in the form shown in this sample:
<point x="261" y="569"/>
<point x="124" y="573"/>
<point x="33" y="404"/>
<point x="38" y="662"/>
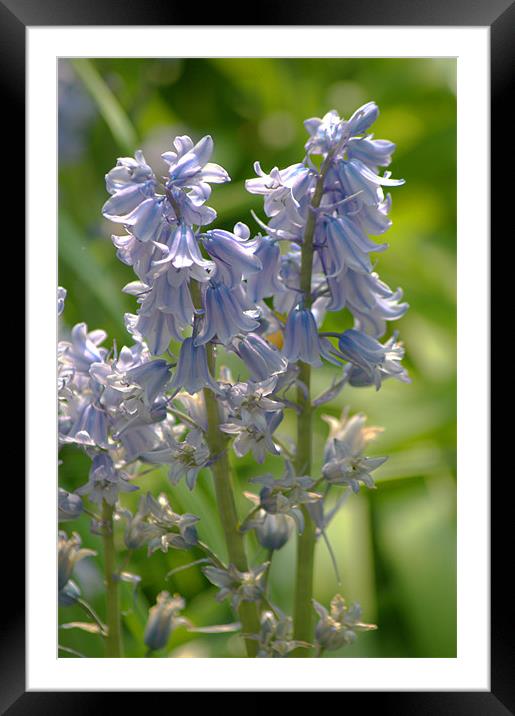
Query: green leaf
<point x="108" y="105"/>
<point x="73" y="248"/>
<point x="84" y="626"/>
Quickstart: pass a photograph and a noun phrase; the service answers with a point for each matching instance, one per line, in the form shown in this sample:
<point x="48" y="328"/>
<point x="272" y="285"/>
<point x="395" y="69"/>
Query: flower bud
<point x="274" y="532"/>
<point x="69" y="505"/>
<point x="162" y="617"/>
<point x="69" y="553"/>
<point x="69" y="594"/>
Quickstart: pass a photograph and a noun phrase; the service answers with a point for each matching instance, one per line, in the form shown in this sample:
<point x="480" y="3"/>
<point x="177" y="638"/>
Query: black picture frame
<point x="499" y="15"/>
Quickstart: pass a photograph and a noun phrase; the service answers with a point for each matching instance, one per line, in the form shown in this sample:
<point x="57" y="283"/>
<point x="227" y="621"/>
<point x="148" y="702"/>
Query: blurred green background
<point x="396" y="546"/>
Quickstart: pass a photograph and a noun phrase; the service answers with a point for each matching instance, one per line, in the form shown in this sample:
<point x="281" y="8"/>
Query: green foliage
<point x="396" y="546"/>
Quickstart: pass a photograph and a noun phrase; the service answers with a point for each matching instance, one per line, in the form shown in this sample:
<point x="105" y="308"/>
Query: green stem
<point x="183" y="417"/>
<point x="303" y="615"/>
<point x="217" y="442"/>
<point x="114" y="635"/>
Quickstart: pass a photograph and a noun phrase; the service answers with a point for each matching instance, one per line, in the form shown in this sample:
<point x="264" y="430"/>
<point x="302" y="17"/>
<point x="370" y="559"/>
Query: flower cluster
<point x="167" y="249"/>
<point x="345" y="202"/>
<point x="162" y="402"/>
<point x="108" y="400"/>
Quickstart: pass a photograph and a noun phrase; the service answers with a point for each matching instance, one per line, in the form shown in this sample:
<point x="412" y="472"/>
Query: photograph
<point x="257" y="357"/>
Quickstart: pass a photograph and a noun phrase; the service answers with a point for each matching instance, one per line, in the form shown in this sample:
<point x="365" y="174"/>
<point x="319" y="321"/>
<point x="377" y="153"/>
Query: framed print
<point x="257" y="265"/>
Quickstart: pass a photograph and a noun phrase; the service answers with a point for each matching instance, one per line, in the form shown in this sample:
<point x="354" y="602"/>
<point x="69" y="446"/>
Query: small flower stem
<point x="284" y="448"/>
<point x="269" y="557"/>
<point x="73" y="652"/>
<point x="114" y="635"/>
<point x="184" y="418"/>
<point x="303" y="616"/>
<point x="91" y="613"/>
<point x="217" y="442"/>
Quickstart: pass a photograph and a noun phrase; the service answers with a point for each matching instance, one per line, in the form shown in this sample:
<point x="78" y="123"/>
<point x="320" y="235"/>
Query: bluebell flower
<point x="390" y="368"/>
<point x="324" y="133"/>
<point x="147" y="220"/>
<point x="239" y="586"/>
<point x="301" y="340"/>
<point x="284" y="495"/>
<point x="234" y="258"/>
<point x="227" y="313"/>
<point x="186" y="458"/>
<point x="172" y="285"/>
<point x="251" y="401"/>
<point x="190" y="207"/>
<point x="283" y="188"/>
<point x="105" y="481"/>
<point x="252" y="437"/>
<point x="372" y="152"/>
<point x="334" y="133"/>
<point x="69" y="594"/>
<point x="130" y="183"/>
<point x="177" y="531"/>
<point x="165" y="296"/>
<point x="370" y="300"/>
<point x="266" y="282"/>
<point x="130" y="172"/>
<point x="90" y="426"/>
<point x="274" y="531"/>
<point x="189" y="165"/>
<point x="157" y="525"/>
<point x="69" y="552"/>
<point x="287" y="194"/>
<point x="275" y="638"/>
<point x="156" y="327"/>
<point x="135" y="253"/>
<point x="181" y="249"/>
<point x="84" y="348"/>
<point x="139" y="530"/>
<point x="151" y="376"/>
<point x="260" y="357"/>
<point x="347" y="466"/>
<point x="343" y="244"/>
<point x="61" y="295"/>
<point x="163" y="617"/>
<point x="337" y="627"/>
<point x="372" y="219"/>
<point x="363" y="118"/>
<point x="69" y="506"/>
<point x="357" y="178"/>
<point x="192" y="372"/>
<point x="352" y="431"/>
<point x="371" y="361"/>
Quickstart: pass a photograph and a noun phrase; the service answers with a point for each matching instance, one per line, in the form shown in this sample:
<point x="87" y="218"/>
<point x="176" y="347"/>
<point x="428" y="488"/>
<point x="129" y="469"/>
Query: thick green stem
<point x="303" y="615"/>
<point x="217" y="442"/>
<point x="114" y="636"/>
